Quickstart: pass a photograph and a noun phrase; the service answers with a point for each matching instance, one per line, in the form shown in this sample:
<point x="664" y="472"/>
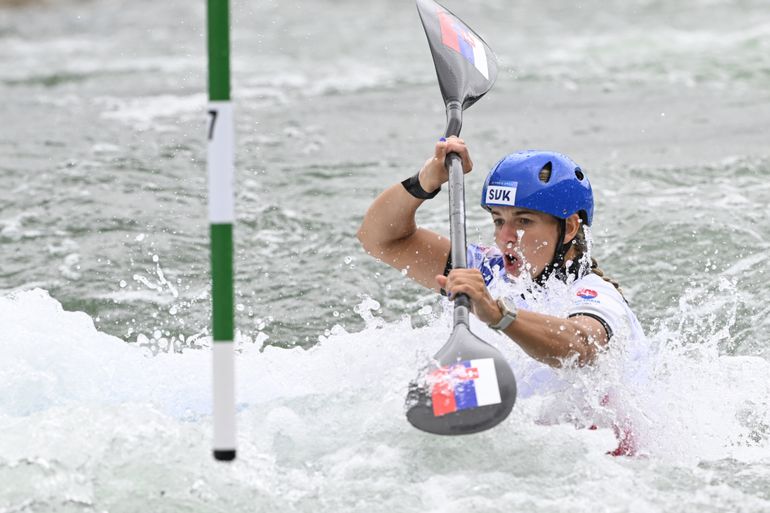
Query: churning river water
<point x="104" y="284"/>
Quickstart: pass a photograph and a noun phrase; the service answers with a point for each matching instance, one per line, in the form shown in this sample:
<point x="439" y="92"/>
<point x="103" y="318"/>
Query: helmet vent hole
<point x="545" y="172"/>
<point x="579" y="174"/>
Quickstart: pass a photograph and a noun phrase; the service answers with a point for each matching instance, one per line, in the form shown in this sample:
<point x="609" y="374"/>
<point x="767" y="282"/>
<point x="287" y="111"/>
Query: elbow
<point x="578" y="355"/>
<point x="369" y="244"/>
<point x="586" y="354"/>
<point x="363" y="239"/>
<point x="586" y="359"/>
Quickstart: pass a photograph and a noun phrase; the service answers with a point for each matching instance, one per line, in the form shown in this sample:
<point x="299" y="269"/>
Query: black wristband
<point x="413" y="187"/>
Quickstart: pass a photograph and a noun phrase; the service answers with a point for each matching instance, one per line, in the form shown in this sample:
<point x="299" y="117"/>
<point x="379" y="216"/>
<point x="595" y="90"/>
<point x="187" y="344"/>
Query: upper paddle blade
<point x="473" y="388"/>
<point x="465" y="65"/>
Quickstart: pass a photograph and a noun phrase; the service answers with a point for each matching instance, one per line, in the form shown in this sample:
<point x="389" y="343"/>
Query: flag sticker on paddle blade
<point x="459" y="38"/>
<point x="464" y="385"/>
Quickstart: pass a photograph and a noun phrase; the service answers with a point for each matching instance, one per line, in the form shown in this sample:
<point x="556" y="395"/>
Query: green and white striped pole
<point x="221" y="154"/>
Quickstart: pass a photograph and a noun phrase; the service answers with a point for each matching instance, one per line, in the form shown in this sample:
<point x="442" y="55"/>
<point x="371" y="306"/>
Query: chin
<point x="519" y="273"/>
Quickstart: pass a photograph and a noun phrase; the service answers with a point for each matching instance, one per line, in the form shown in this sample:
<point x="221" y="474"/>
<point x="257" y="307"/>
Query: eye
<point x="498" y="222"/>
<point x="525" y="221"/>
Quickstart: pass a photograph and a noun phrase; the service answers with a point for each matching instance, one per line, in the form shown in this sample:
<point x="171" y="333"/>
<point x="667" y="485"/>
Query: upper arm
<point x="596" y="331"/>
<point x="600" y="310"/>
<point x="584" y="338"/>
<point x="423" y="255"/>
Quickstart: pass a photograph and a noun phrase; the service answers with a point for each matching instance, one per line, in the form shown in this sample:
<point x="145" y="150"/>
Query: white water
<point x="90" y="423"/>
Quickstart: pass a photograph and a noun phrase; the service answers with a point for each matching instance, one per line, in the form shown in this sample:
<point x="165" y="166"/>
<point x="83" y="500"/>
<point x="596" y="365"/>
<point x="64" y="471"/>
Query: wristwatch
<point x="509" y="315"/>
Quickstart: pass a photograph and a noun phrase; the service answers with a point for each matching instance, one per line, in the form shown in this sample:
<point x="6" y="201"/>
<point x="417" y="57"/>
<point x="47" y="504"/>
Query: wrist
<point x="508" y="314"/>
<point x="497" y="316"/>
<point x="426" y="182"/>
<point x="415" y="187"/>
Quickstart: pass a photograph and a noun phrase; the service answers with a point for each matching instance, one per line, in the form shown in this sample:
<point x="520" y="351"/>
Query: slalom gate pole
<point x="221" y="177"/>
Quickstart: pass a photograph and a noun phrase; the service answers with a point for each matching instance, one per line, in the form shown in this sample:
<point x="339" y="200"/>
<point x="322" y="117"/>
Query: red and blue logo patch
<point x="587" y="294"/>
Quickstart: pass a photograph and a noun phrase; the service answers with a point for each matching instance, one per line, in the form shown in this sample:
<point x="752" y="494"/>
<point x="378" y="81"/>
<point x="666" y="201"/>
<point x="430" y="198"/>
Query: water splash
<point x="328" y="421"/>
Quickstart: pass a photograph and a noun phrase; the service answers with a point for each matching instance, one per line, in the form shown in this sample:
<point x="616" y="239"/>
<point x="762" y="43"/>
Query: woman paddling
<point x="540" y="203"/>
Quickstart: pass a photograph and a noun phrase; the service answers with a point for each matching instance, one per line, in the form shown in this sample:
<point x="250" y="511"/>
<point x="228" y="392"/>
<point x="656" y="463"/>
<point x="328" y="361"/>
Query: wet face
<point x="526" y="238"/>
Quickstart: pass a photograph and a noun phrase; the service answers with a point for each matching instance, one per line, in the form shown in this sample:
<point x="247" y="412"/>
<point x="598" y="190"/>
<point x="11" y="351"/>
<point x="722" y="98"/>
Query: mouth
<point x="510" y="260"/>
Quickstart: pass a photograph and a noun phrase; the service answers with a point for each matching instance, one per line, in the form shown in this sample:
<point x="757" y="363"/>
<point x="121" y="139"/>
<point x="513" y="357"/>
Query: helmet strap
<point x="557" y="263"/>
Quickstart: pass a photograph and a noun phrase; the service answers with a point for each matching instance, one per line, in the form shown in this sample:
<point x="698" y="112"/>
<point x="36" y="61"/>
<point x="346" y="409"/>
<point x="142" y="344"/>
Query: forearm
<point x="389" y="231"/>
<point x="552" y="340"/>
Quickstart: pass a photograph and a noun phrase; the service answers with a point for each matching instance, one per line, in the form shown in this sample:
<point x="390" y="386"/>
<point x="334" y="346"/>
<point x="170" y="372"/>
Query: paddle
<point x="473" y="388"/>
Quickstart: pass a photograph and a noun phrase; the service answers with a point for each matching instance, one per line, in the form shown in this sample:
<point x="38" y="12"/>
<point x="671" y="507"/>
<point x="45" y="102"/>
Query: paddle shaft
<point x="454" y="166"/>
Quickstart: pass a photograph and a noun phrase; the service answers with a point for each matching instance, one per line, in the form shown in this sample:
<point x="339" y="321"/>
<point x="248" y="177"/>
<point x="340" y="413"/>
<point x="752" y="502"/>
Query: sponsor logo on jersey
<point x="587" y="293"/>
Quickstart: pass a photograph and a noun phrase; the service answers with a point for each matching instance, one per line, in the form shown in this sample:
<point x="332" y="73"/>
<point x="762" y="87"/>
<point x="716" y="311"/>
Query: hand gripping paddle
<point x="473" y="388"/>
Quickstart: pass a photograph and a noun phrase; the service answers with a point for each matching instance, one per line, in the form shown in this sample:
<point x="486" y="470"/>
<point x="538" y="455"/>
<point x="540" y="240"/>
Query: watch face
<point x="509" y="315"/>
<point x="507" y="305"/>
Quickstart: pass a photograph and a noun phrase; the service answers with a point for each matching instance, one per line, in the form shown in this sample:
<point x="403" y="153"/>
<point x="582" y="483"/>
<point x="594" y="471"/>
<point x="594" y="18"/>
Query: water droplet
<point x="123" y="284"/>
<point x="155" y="258"/>
<point x="239" y="307"/>
<point x="140" y="237"/>
<point x="348" y="259"/>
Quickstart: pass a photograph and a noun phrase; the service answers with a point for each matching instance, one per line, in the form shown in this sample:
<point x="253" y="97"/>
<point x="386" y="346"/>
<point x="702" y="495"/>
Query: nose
<point x="508" y="234"/>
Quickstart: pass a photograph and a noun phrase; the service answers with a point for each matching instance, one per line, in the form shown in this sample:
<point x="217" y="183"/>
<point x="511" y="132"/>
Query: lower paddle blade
<point x="473" y="388"/>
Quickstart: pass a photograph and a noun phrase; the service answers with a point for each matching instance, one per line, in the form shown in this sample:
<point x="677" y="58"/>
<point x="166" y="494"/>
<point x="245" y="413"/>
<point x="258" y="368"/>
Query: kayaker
<point x="541" y="204"/>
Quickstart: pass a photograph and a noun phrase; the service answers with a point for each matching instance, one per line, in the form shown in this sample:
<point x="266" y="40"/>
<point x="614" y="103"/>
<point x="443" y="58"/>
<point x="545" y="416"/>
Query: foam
<point x="83" y="411"/>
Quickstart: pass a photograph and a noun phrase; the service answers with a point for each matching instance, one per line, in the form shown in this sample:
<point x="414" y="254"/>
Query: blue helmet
<point x="515" y="182"/>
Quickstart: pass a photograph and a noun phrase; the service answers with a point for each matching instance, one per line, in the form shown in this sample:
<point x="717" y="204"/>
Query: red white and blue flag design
<point x="459" y="38"/>
<point x="464" y="385"/>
